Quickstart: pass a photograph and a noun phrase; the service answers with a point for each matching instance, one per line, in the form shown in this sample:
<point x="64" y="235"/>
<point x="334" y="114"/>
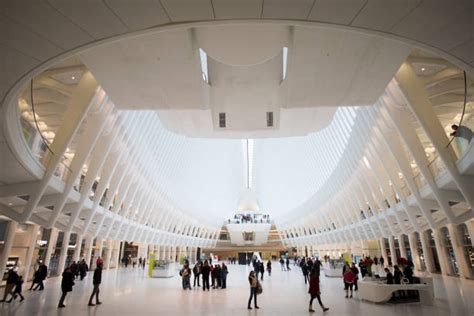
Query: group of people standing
<point x="69" y="275"/>
<point x="217" y="273"/>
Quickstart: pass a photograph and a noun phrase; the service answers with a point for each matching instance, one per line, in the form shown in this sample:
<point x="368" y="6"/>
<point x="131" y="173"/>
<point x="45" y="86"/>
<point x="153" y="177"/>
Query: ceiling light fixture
<point x="423" y="68"/>
<point x="73" y="77"/>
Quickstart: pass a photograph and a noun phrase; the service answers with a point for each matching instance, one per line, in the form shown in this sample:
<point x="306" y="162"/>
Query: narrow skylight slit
<point x="203" y="57"/>
<point x="249" y="149"/>
<point x="285" y="62"/>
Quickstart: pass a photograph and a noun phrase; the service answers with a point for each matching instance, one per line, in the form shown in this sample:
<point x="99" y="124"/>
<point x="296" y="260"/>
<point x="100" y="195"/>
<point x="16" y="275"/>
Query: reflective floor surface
<point x="130" y="292"/>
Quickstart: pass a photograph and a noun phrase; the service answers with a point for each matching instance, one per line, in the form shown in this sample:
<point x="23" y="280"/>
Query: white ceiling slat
<point x="287" y="9"/>
<point x="383" y="15"/>
<point x="242" y="9"/>
<point x="336" y="11"/>
<point x="188" y="10"/>
<point x="25" y="40"/>
<point x="139" y="14"/>
<point x="45" y="20"/>
<point x="93" y="16"/>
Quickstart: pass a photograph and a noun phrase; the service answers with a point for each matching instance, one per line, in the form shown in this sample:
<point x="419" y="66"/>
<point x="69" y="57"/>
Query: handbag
<point x="259" y="288"/>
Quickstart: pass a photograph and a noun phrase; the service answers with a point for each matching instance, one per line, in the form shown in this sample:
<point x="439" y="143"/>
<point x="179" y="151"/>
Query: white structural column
<point x="401" y="244"/>
<point x="108" y="256"/>
<point x="53" y="238"/>
<point x="78" y="248"/>
<point x="462" y="260"/>
<point x="116" y="254"/>
<point x="427" y="252"/>
<point x="7" y="246"/>
<point x="99" y="244"/>
<point x="423" y="109"/>
<point x="88" y="244"/>
<point x="393" y="254"/>
<point x="439" y="240"/>
<point x="63" y="254"/>
<point x="31" y="250"/>
<point x="77" y="109"/>
<point x="415" y="255"/>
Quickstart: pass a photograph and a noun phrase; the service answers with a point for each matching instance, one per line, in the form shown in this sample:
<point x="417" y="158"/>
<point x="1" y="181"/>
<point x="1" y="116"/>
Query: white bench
<point x="378" y="292"/>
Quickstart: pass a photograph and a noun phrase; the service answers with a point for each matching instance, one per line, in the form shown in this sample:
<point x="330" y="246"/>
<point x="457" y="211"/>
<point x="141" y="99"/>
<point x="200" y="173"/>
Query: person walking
<point x="349" y="279"/>
<point x="269" y="267"/>
<point x="206" y="271"/>
<point x="97" y="280"/>
<point x="39" y="276"/>
<point x="261" y="267"/>
<point x="315" y="291"/>
<point x="224" y="272"/>
<point x="304" y="269"/>
<point x="288" y="264"/>
<point x="83" y="268"/>
<point x="18" y="290"/>
<point x="66" y="285"/>
<point x="253" y="290"/>
<point x="356" y="274"/>
<point x="197" y="273"/>
<point x="12" y="279"/>
<point x="282" y="264"/>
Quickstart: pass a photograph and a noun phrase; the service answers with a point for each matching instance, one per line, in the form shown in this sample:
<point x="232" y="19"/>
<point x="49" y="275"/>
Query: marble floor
<point x="130" y="292"/>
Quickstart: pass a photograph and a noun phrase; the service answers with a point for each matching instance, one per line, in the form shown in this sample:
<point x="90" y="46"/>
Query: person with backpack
<point x="185" y="274"/>
<point x="197" y="273"/>
<point x="66" y="285"/>
<point x="253" y="290"/>
<point x="314" y="290"/>
<point x="282" y="264"/>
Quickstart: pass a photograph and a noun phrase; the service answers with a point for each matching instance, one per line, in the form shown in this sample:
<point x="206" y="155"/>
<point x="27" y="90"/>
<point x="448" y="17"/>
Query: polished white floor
<point x="129" y="292"/>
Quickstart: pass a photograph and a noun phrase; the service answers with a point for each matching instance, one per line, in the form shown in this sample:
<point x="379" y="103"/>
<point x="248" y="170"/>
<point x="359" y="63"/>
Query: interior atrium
<point x="170" y="132"/>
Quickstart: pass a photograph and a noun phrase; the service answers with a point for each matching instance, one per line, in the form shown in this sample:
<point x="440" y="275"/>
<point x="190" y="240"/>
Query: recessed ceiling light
<point x="73" y="77"/>
<point x="422" y="68"/>
<point x="10" y="204"/>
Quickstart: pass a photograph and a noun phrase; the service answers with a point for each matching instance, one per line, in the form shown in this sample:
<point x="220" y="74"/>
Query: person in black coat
<point x="397" y="275"/>
<point x="389" y="276"/>
<point x="261" y="267"/>
<point x="206" y="270"/>
<point x="224" y="272"/>
<point x="66" y="285"/>
<point x="39" y="276"/>
<point x="83" y="268"/>
<point x="97" y="280"/>
<point x="12" y="280"/>
<point x="18" y="290"/>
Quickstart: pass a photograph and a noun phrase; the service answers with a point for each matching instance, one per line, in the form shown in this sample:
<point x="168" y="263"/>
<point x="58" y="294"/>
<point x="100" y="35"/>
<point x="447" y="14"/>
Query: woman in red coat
<point x="314" y="290"/>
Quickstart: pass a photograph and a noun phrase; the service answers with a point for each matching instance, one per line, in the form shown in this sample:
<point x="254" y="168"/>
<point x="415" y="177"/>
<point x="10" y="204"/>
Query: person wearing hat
<point x="97" y="279"/>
